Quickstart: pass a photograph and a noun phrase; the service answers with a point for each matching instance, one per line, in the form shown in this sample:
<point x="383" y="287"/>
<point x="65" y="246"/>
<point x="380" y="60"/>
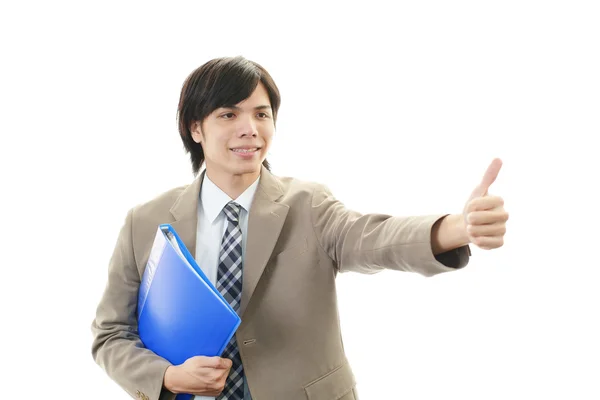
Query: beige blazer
<point x="299" y="238"/>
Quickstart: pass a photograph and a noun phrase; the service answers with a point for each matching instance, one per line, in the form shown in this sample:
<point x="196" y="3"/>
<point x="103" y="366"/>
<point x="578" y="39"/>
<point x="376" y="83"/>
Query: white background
<point x="398" y="107"/>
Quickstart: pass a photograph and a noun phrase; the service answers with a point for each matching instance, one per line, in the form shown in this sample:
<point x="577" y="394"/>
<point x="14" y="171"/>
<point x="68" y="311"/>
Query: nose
<point x="247" y="127"/>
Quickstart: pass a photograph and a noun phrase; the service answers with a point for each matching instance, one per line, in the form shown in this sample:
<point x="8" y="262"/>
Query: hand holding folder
<point x="180" y="312"/>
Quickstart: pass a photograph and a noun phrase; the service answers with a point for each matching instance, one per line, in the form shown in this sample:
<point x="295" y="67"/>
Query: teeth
<point x="245" y="150"/>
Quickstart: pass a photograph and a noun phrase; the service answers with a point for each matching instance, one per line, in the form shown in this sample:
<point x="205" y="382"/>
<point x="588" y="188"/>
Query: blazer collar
<point x="186" y="205"/>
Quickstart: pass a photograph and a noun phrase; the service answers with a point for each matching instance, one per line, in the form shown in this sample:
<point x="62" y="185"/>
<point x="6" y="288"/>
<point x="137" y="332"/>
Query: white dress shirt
<point x="210" y="231"/>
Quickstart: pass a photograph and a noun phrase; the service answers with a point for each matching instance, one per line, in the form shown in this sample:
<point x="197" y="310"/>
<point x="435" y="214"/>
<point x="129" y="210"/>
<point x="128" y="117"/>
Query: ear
<point x="196" y="131"/>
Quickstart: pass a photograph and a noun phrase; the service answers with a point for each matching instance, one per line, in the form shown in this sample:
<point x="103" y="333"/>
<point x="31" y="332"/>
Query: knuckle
<point x="471" y="217"/>
<point x="215" y="379"/>
<point x="472" y="206"/>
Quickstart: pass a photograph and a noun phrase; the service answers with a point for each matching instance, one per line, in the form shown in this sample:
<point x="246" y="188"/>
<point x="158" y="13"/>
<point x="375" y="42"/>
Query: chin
<point x="246" y="169"/>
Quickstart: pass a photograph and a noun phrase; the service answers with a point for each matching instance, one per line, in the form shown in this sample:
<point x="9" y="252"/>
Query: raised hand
<point x="484" y="215"/>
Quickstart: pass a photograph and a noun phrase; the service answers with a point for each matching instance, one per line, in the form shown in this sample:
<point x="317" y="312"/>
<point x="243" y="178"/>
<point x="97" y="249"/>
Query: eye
<point x="263" y="115"/>
<point x="227" y="115"/>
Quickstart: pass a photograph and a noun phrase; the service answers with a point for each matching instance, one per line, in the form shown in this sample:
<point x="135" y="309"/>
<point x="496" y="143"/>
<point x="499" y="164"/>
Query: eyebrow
<point x="263" y="107"/>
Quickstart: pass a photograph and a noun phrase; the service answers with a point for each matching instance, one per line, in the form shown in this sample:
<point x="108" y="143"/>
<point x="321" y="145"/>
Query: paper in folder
<point x="180" y="313"/>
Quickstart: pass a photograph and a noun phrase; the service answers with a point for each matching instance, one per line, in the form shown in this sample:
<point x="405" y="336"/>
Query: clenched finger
<point x="485" y="203"/>
<point x="486" y="217"/>
<point x="488" y="243"/>
<point x="498" y="229"/>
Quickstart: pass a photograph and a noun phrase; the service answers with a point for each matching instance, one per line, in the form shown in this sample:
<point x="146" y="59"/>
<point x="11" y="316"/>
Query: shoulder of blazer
<point x="294" y="188"/>
<point x="160" y="203"/>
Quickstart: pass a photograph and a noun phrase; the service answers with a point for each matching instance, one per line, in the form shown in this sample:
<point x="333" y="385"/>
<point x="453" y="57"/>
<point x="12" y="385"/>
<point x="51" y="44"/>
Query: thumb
<point x="488" y="178"/>
<point x="225" y="363"/>
<point x="211" y="362"/>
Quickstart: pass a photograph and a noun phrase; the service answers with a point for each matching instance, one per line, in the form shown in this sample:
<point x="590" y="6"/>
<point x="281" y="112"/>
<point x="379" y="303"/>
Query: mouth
<point x="245" y="150"/>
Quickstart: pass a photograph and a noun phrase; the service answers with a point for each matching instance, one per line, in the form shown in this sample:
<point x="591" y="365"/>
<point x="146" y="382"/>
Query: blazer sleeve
<point x="116" y="345"/>
<point x="370" y="243"/>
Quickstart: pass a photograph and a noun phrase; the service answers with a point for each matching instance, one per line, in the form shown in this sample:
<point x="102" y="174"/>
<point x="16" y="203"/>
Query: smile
<point x="245" y="151"/>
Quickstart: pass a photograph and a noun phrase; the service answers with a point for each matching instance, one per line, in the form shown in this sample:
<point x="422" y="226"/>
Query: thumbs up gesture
<point x="484" y="215"/>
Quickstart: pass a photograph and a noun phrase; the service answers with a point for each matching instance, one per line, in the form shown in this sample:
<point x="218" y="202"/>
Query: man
<point x="284" y="241"/>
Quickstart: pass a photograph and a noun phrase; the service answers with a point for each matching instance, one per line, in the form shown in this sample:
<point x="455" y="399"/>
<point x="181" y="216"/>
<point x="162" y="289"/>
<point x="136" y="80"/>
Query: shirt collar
<point x="213" y="199"/>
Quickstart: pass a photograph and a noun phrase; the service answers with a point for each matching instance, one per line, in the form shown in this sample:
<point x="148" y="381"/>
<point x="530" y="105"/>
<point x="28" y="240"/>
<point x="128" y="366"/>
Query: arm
<point x="116" y="346"/>
<point x="372" y="242"/>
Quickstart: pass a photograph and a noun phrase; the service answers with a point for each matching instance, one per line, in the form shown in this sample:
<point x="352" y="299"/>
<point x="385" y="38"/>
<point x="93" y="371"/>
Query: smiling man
<point x="273" y="247"/>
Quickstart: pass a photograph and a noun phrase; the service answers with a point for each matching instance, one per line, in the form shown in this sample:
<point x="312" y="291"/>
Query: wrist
<point x="170" y="379"/>
<point x="448" y="233"/>
<point x="461" y="228"/>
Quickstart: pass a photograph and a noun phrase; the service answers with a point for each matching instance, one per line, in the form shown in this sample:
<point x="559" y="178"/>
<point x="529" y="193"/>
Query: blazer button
<point x="249" y="341"/>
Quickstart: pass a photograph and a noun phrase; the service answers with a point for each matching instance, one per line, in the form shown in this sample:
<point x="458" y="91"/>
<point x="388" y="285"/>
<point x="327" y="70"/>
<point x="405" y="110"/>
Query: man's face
<point x="236" y="140"/>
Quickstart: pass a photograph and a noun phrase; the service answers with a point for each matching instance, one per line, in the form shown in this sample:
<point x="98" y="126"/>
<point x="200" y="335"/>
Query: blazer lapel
<point x="185" y="212"/>
<point x="265" y="221"/>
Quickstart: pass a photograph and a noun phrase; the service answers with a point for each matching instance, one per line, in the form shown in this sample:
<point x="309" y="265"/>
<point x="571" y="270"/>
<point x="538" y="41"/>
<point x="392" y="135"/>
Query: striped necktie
<point x="229" y="284"/>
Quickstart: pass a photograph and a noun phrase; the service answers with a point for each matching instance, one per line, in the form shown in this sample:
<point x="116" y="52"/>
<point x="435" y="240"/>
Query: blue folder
<point x="180" y="312"/>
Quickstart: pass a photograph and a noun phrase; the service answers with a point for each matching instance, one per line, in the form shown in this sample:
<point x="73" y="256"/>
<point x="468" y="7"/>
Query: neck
<point x="232" y="185"/>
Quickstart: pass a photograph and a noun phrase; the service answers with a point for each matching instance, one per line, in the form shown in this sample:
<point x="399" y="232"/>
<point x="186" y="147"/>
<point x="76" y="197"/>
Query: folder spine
<point x="156" y="254"/>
